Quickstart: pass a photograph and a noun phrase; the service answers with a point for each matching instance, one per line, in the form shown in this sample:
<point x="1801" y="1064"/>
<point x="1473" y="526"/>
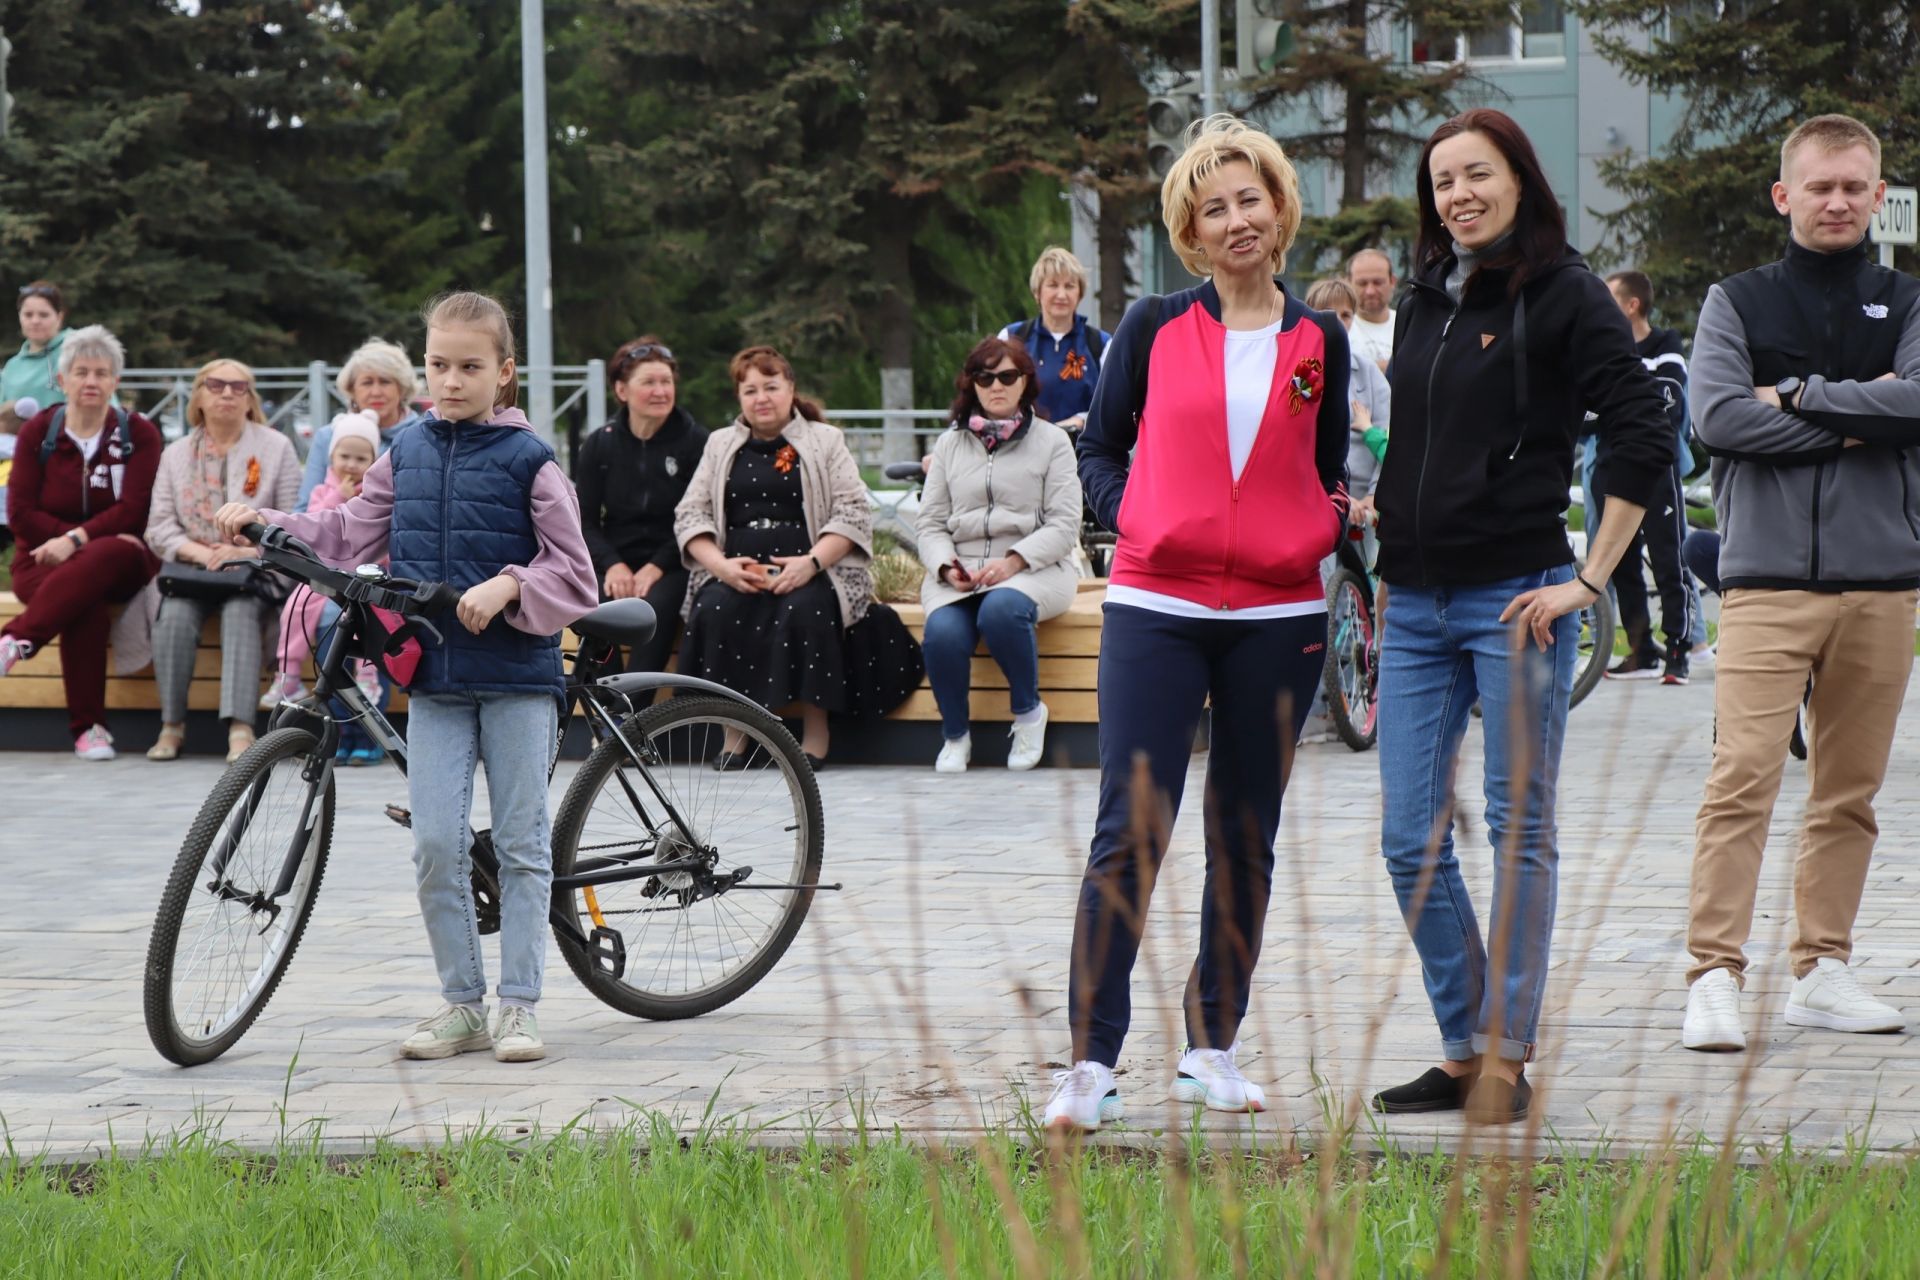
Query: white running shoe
<point x="1084" y="1098"/>
<point x="1029" y="742"/>
<point x="451" y="1031"/>
<point x="1830" y="996"/>
<point x="955" y="753"/>
<point x="12" y="651"/>
<point x="1713" y="1014"/>
<point x="1210" y="1076"/>
<point x="95" y="744"/>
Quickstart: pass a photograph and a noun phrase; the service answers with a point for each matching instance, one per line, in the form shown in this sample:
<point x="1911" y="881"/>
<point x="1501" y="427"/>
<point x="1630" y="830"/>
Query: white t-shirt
<point x="1373" y="341"/>
<point x="1249" y="362"/>
<point x="89" y="445"/>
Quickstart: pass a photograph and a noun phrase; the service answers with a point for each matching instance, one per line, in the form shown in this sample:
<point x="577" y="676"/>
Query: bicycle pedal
<point x="608" y="951"/>
<point x="400" y="815"/>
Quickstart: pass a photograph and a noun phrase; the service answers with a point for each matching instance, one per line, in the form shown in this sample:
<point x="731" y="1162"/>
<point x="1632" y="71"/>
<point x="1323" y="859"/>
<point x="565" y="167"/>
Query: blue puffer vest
<point x="462" y="511"/>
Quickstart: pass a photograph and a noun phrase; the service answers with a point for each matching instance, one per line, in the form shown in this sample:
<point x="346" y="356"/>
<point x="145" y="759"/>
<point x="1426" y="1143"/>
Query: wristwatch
<point x="73" y="536"/>
<point x="1787" y="389"/>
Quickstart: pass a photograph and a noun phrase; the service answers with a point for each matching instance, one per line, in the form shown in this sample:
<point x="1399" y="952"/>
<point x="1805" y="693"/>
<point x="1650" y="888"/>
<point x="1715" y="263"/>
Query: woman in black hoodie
<point x="1503" y="341"/>
<point x="630" y="474"/>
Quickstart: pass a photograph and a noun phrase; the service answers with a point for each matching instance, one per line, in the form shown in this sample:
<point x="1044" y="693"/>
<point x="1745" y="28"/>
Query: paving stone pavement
<point x="929" y="995"/>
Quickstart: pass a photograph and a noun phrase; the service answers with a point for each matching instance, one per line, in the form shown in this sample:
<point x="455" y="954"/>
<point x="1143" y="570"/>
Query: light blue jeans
<point x="1441" y="650"/>
<point x="448" y="735"/>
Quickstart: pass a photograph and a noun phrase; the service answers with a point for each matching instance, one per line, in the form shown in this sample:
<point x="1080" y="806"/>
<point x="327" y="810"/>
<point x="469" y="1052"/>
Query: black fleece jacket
<point x="1474" y="487"/>
<point x="629" y="487"/>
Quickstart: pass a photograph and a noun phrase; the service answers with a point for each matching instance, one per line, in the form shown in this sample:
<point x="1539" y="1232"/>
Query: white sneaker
<point x="1029" y="742"/>
<point x="1084" y="1098"/>
<point x="12" y="651"/>
<point x="1713" y="1014"/>
<point x="1210" y="1076"/>
<point x="95" y="744"/>
<point x="451" y="1031"/>
<point x="1830" y="996"/>
<point x="954" y="755"/>
<point x="1701" y="655"/>
<point x="285" y="688"/>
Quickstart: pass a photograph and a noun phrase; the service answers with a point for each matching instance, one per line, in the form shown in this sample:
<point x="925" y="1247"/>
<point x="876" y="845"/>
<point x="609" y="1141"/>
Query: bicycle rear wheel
<point x="689" y="941"/>
<point x="1353" y="660"/>
<point x="1596" y="647"/>
<point x="221" y="938"/>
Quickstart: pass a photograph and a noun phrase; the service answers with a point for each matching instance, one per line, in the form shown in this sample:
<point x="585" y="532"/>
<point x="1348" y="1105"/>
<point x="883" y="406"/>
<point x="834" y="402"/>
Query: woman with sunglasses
<point x="229" y="455"/>
<point x="631" y="474"/>
<point x="999" y="519"/>
<point x="30" y="373"/>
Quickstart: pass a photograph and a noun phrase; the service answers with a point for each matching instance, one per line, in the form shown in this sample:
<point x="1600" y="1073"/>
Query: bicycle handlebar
<point x="286" y="553"/>
<point x="903" y="471"/>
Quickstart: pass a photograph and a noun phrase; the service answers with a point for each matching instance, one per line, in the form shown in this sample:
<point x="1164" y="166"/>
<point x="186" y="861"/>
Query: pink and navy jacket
<point x="1155" y="468"/>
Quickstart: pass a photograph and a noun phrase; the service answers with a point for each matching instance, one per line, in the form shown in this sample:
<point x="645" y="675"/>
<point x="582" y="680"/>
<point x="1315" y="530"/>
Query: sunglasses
<point x="221" y="386"/>
<point x="37" y="291"/>
<point x="1006" y="378"/>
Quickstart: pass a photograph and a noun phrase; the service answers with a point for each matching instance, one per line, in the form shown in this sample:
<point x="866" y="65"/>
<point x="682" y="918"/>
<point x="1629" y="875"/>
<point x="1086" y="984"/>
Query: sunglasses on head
<point x="1006" y="378"/>
<point x="37" y="291"/>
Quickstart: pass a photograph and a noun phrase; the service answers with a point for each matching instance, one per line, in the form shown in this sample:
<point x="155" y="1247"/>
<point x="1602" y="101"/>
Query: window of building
<point x="1541" y="33"/>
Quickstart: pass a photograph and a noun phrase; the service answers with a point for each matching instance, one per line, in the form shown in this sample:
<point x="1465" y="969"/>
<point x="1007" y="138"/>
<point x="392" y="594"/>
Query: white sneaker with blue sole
<point x="1210" y="1076"/>
<point x="1084" y="1098"/>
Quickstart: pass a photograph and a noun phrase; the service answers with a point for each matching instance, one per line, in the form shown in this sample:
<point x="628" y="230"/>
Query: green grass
<point x="6" y="569"/>
<point x="648" y="1202"/>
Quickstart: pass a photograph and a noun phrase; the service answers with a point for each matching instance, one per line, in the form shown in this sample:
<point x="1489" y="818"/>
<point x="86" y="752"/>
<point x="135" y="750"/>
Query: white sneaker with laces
<point x="955" y="753"/>
<point x="453" y="1030"/>
<point x="1211" y="1077"/>
<point x="1830" y="996"/>
<point x="1713" y="1014"/>
<point x="12" y="651"/>
<point x="95" y="744"/>
<point x="516" y="1035"/>
<point x="1029" y="742"/>
<point x="1084" y="1098"/>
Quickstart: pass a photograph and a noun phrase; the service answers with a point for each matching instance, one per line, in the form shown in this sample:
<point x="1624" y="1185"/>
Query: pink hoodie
<point x="556" y="588"/>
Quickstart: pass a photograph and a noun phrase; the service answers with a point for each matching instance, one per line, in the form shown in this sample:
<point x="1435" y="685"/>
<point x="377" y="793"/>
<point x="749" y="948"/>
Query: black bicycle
<point x="676" y="887"/>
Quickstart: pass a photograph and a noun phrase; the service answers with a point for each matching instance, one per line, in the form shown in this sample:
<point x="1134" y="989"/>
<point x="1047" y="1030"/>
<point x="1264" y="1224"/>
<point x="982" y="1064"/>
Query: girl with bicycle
<point x="470" y="494"/>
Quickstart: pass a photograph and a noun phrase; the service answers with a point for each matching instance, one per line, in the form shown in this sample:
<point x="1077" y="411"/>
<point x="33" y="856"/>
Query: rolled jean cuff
<point x="1458" y="1050"/>
<point x="465" y="995"/>
<point x="1506" y="1050"/>
<point x="530" y="995"/>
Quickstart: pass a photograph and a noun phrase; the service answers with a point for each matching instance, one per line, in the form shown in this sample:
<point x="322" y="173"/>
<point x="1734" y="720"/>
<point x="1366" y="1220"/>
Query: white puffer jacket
<point x="978" y="506"/>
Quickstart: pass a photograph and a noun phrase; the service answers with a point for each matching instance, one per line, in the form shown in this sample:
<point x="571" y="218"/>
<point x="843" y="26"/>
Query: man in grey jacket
<point x="1806" y="392"/>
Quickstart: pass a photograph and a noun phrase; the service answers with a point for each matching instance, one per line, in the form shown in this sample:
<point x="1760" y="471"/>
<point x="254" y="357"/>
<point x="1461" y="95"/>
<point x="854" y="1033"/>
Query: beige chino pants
<point x="1858" y="648"/>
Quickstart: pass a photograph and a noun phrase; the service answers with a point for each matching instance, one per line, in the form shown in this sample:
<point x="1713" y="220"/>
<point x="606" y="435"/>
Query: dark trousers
<point x="667" y="596"/>
<point x="1157" y="674"/>
<point x="1702" y="552"/>
<point x="70" y="600"/>
<point x="1660" y="535"/>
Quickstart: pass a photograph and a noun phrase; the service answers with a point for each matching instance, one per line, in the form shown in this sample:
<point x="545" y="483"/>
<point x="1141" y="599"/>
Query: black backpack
<point x="122" y="421"/>
<point x="1096" y="344"/>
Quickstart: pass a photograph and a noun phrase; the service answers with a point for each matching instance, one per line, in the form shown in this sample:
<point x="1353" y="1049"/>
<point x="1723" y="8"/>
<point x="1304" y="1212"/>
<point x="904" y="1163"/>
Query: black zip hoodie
<point x="1474" y="488"/>
<point x="629" y="487"/>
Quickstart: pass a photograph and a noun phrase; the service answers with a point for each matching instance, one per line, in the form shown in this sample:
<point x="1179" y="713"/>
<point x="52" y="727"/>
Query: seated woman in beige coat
<point x="999" y="520"/>
<point x="777" y="529"/>
<point x="229" y="455"/>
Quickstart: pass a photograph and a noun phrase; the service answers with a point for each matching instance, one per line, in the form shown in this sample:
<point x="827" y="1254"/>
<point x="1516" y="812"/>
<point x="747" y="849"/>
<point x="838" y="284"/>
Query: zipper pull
<point x="1448" y="326"/>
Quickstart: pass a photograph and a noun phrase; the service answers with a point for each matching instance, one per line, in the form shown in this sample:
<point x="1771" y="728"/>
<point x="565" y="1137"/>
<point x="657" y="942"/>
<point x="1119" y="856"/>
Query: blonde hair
<point x="1325" y="295"/>
<point x="383" y="359"/>
<point x="197" y="417"/>
<point x="467" y="310"/>
<point x="1212" y="143"/>
<point x="1056" y="261"/>
<point x="1830" y="133"/>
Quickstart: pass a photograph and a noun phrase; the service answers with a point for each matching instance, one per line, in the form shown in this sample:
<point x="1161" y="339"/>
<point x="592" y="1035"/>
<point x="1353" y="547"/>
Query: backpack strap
<point x="1021" y="331"/>
<point x="1096" y="344"/>
<point x="123" y="427"/>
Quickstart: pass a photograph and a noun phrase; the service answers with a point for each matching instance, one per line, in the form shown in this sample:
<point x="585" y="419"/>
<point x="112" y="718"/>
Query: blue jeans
<point x="1005" y="617"/>
<point x="1441" y="650"/>
<point x="447" y="736"/>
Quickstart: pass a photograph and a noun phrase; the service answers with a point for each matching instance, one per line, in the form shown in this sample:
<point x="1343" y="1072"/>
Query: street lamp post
<point x="533" y="133"/>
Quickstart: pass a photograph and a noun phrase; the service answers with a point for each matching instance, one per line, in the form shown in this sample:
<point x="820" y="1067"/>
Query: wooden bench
<point x="1069" y="661"/>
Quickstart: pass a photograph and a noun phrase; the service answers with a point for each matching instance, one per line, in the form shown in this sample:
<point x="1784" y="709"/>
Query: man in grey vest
<point x="1806" y="392"/>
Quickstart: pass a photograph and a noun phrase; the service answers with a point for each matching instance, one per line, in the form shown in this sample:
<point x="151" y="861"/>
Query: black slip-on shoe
<point x="1434" y="1091"/>
<point x="1494" y="1101"/>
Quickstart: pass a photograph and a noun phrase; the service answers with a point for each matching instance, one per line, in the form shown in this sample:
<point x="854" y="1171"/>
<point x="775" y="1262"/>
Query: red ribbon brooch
<point x="1308" y="381"/>
<point x="253" y="478"/>
<point x="783" y="461"/>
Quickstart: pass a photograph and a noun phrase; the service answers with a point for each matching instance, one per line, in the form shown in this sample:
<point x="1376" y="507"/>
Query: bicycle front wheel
<point x="693" y="938"/>
<point x="238" y="899"/>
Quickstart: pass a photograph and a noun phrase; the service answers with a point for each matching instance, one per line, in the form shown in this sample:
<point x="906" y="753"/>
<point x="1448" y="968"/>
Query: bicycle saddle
<point x="619" y="621"/>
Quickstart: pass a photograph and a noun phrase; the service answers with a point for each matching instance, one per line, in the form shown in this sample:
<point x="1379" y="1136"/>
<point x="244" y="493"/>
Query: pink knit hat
<point x="355" y="426"/>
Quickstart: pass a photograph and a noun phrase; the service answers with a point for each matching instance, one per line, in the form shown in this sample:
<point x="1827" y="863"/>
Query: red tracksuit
<point x="103" y="499"/>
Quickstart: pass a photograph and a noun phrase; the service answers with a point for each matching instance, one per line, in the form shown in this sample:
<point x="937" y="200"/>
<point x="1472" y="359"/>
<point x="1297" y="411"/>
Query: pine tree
<point x="1747" y="73"/>
<point x="175" y="170"/>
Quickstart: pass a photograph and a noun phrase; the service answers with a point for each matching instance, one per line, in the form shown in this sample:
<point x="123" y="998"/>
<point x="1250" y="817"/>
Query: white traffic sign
<point x="1898" y="221"/>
